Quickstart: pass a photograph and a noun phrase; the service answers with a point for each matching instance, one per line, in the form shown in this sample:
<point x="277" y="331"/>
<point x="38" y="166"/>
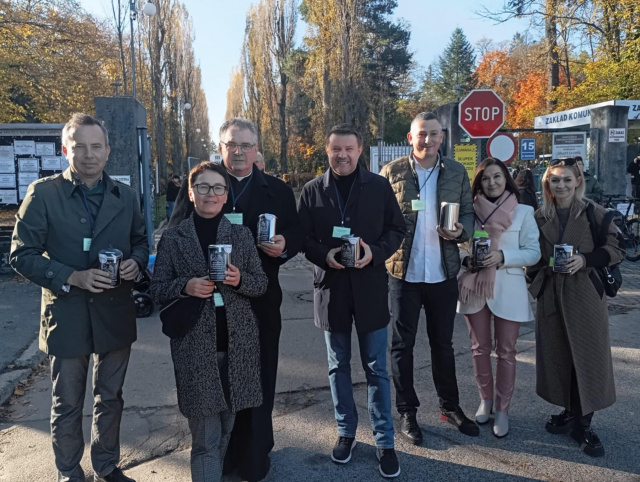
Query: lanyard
<point x="234" y="199"/>
<point x="482" y="223"/>
<point x="92" y="220"/>
<point x="416" y="179"/>
<point x="343" y="212"/>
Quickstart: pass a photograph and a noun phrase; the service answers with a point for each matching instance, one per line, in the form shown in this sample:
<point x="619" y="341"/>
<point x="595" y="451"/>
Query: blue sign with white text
<point x="527" y="149"/>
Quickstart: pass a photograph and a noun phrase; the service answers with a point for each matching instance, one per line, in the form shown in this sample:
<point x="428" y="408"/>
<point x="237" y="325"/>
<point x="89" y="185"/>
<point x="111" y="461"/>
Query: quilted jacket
<point x="453" y="186"/>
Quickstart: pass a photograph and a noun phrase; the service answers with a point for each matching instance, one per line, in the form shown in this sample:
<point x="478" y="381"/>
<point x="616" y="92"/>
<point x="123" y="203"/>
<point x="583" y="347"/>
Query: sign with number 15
<point x="527" y="149"/>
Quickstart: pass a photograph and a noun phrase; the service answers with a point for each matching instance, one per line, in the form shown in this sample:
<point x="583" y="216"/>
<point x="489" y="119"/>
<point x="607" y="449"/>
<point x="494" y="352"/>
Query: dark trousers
<point x="439" y="302"/>
<point x="69" y="377"/>
<point x="575" y="407"/>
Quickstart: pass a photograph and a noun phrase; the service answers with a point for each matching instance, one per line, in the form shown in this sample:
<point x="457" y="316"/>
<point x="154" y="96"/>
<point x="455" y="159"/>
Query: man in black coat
<point x="252" y="193"/>
<point x="350" y="201"/>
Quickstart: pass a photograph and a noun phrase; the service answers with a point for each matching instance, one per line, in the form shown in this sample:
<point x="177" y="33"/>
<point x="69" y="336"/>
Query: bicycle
<point x="628" y="229"/>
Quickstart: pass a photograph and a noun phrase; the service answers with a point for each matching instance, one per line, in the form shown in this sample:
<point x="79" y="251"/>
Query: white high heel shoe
<point x="501" y="424"/>
<point x="484" y="410"/>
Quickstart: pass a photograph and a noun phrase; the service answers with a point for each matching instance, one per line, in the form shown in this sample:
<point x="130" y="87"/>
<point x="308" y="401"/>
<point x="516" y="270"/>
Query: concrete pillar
<point x="611" y="161"/>
<point x="448" y="117"/>
<point x="122" y="116"/>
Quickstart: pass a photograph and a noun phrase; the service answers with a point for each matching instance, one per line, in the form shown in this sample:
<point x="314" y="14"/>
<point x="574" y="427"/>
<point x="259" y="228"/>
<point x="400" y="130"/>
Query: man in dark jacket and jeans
<point x="423" y="271"/>
<point x="350" y="201"/>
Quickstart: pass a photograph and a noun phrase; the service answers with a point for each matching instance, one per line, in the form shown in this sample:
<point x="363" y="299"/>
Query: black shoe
<point x="409" y="428"/>
<point x="115" y="476"/>
<point x="459" y="419"/>
<point x="589" y="441"/>
<point x="342" y="449"/>
<point x="389" y="466"/>
<point x="561" y="423"/>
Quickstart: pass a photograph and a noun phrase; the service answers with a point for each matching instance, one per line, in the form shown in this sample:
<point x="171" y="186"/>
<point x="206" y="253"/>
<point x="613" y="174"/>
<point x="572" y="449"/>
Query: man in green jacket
<point x="63" y="223"/>
<point x="423" y="271"/>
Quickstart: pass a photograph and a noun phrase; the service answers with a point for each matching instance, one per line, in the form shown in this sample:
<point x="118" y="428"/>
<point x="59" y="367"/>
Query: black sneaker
<point x="560" y="423"/>
<point x="589" y="441"/>
<point x="342" y="449"/>
<point x="389" y="466"/>
<point x="409" y="428"/>
<point x="115" y="476"/>
<point x="459" y="419"/>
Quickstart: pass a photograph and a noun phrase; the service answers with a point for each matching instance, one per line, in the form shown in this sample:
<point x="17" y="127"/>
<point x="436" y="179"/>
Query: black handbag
<point x="610" y="276"/>
<point x="180" y="315"/>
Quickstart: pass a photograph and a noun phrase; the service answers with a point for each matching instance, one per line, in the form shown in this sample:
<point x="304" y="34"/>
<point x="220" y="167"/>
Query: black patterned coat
<point x="572" y="321"/>
<point x="180" y="258"/>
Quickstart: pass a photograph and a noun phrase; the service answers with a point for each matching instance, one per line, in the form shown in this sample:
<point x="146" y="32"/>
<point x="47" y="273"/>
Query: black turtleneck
<point x="493" y="199"/>
<point x="344" y="184"/>
<point x="207" y="231"/>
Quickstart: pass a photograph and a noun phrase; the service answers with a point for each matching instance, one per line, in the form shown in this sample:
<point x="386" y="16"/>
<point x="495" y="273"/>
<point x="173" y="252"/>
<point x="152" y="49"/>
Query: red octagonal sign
<point x="481" y="113"/>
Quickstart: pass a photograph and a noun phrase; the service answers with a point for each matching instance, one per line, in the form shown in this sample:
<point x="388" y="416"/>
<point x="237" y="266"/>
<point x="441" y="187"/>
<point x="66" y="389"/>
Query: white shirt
<point x="425" y="261"/>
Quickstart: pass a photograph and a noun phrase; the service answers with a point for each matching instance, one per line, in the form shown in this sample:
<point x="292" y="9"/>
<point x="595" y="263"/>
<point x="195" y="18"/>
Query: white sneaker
<point x="484" y="410"/>
<point x="501" y="424"/>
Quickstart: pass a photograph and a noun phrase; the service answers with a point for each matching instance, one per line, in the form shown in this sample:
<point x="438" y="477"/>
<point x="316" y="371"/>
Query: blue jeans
<point x="373" y="353"/>
<point x="170" y="206"/>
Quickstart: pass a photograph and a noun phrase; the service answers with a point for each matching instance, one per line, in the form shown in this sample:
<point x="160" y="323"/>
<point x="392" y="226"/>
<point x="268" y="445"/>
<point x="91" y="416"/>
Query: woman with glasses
<point x="495" y="286"/>
<point x="573" y="354"/>
<point x="217" y="362"/>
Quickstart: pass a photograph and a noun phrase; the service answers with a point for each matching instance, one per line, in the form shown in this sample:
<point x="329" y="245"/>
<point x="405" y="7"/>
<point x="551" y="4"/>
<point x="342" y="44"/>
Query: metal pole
<point x="132" y="16"/>
<point x="146" y="184"/>
<point x="379" y="154"/>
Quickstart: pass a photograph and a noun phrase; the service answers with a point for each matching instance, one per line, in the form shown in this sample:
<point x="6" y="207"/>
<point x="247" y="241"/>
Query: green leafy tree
<point x="455" y="68"/>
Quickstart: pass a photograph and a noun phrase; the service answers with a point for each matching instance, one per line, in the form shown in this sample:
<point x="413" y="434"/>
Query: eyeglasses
<point x="565" y="161"/>
<point x="204" y="189"/>
<point x="232" y="146"/>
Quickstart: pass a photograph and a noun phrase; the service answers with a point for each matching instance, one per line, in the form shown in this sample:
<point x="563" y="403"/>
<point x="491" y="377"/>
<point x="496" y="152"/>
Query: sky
<point x="219" y="33"/>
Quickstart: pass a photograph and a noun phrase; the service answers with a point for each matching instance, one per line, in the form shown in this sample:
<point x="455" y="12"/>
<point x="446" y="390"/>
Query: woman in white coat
<point x="496" y="285"/>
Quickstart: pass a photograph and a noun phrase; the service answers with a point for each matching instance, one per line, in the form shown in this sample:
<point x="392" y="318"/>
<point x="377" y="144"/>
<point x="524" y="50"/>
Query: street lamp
<point x="149" y="10"/>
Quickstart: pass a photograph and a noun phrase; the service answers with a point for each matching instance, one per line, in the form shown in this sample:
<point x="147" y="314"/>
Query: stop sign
<point x="481" y="113"/>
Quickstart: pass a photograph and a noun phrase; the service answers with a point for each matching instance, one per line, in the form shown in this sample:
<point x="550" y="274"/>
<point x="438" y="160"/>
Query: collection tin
<point x="449" y="213"/>
<point x="219" y="257"/>
<point x="110" y="260"/>
<point x="350" y="251"/>
<point x="561" y="255"/>
<point x="266" y="228"/>
<point x="480" y="250"/>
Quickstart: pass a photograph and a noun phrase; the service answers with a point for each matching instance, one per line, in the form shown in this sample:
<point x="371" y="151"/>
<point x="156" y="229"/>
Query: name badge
<point x="86" y="244"/>
<point x="480" y="234"/>
<point x="339" y="231"/>
<point x="418" y="205"/>
<point x="234" y="218"/>
<point x="217" y="299"/>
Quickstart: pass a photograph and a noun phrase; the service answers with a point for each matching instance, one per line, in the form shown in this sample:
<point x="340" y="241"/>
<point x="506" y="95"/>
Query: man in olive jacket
<point x="423" y="271"/>
<point x="63" y="223"/>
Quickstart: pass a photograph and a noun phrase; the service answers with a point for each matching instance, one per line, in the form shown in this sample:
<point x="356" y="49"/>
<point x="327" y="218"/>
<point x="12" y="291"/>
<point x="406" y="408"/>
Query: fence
<point x="389" y="153"/>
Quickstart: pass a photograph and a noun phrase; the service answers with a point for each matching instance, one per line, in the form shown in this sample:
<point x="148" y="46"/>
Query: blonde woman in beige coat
<point x="573" y="352"/>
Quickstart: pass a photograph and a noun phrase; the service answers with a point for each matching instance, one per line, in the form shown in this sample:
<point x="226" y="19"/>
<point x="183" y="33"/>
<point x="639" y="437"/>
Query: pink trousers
<point x="506" y="336"/>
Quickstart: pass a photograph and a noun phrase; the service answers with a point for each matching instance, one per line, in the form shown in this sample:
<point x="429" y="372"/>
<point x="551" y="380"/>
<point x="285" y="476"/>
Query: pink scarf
<point x="476" y="287"/>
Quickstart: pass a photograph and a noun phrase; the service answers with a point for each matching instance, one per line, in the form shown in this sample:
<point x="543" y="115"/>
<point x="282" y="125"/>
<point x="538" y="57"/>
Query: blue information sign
<point x="527" y="149"/>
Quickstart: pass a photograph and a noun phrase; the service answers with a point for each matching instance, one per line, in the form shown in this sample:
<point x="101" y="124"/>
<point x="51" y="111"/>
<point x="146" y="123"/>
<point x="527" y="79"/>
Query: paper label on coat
<point x="234" y="218"/>
<point x="339" y="231"/>
<point x="418" y="205"/>
<point x="551" y="261"/>
<point x="480" y="234"/>
<point x="86" y="244"/>
<point x="217" y="299"/>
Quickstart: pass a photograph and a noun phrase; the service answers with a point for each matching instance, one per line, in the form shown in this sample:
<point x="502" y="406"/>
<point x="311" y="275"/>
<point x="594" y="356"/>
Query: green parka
<point x="453" y="186"/>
